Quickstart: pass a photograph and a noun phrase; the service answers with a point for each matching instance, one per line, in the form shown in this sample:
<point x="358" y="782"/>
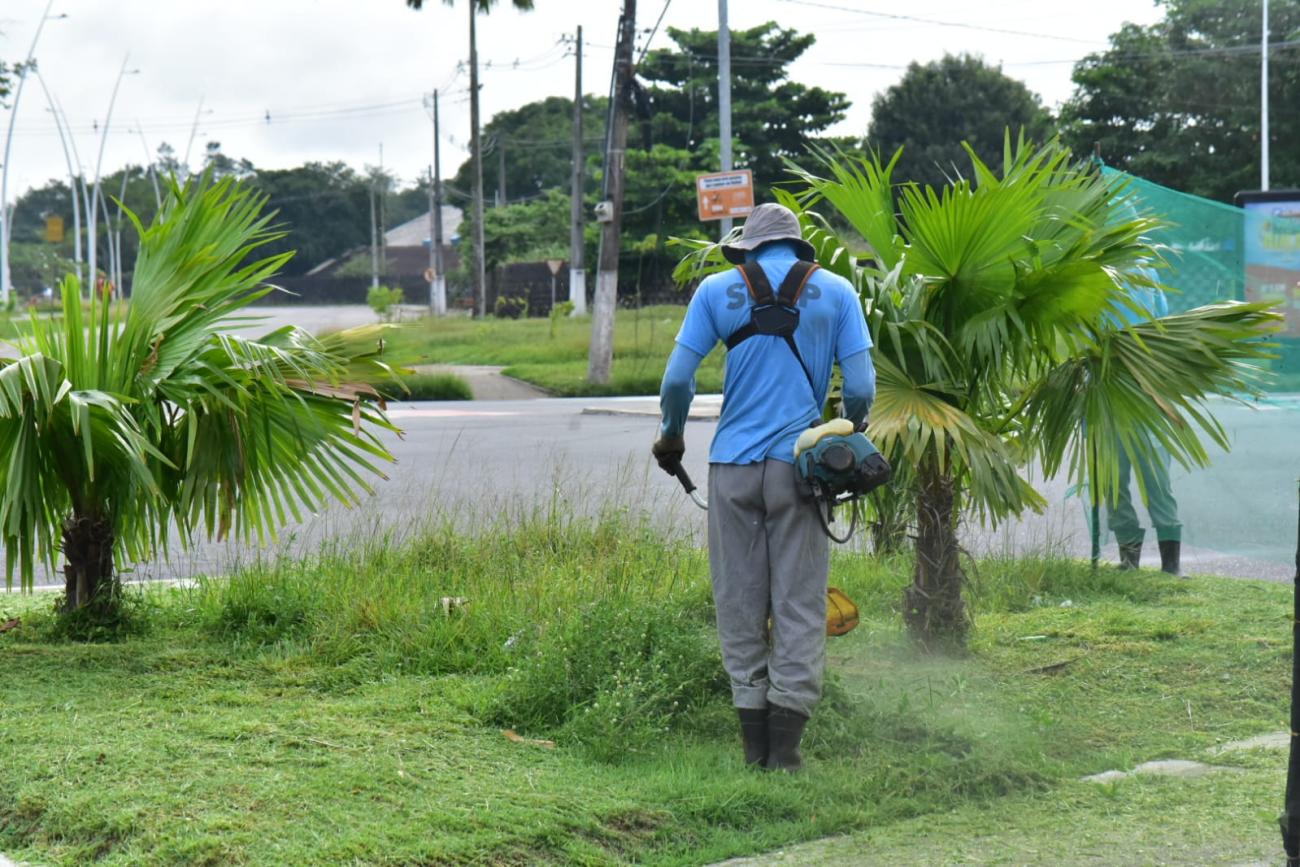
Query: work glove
<point x="668" y="452"/>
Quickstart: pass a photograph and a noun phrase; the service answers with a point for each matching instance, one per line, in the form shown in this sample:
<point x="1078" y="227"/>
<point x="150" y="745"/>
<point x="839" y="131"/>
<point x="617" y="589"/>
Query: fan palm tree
<point x="995" y="305"/>
<point x="114" y="426"/>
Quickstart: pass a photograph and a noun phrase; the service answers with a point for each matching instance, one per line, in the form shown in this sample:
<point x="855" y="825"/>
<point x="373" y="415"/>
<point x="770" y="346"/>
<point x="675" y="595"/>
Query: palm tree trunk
<point x="933" y="608"/>
<point x="89" y="578"/>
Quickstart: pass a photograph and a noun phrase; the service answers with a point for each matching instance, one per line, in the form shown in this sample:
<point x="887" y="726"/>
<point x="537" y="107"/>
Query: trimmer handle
<point x="687" y="485"/>
<point x="682" y="476"/>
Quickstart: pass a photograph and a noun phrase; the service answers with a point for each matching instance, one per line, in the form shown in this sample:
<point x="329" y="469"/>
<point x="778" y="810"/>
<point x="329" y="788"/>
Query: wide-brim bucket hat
<point x="769" y="222"/>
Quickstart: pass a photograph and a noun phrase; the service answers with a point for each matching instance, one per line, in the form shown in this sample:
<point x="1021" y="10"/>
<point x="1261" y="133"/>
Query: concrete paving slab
<point x="1270" y="741"/>
<point x="1177" y="768"/>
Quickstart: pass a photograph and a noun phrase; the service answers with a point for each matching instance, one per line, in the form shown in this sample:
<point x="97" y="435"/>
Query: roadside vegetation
<point x="546" y="689"/>
<point x="552" y="353"/>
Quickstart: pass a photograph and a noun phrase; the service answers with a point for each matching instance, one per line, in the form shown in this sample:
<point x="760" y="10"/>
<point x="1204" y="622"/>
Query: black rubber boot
<point x="753" y="731"/>
<point x="1130" y="555"/>
<point x="784" y="732"/>
<point x="1169" y="554"/>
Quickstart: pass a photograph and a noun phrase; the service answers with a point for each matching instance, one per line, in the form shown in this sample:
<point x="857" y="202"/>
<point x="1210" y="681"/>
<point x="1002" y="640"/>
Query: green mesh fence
<point x="1219" y="251"/>
<point x="1238" y="515"/>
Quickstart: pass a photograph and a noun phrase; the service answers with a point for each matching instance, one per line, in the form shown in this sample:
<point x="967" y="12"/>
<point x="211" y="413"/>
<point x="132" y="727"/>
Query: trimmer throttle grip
<point x="682" y="476"/>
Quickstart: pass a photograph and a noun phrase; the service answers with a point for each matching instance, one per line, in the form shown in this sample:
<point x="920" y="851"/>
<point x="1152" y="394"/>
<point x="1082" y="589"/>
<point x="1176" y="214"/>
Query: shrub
<point x="383" y="300"/>
<point x="561" y="310"/>
<point x="426" y="386"/>
<point x="511" y="307"/>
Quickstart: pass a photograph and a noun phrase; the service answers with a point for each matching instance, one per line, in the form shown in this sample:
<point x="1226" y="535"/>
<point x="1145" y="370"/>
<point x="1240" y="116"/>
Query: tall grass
<point x="602" y="628"/>
<point x="593" y="631"/>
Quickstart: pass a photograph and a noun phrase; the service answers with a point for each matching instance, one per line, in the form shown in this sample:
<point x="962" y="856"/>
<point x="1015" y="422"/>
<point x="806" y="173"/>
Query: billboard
<point x="1271" y="247"/>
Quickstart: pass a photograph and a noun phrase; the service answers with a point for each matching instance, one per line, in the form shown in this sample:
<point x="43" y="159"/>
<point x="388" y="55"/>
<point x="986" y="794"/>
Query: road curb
<point x="703" y="415"/>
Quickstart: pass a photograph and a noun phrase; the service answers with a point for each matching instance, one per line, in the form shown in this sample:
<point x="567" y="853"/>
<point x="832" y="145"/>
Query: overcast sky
<point x="281" y="82"/>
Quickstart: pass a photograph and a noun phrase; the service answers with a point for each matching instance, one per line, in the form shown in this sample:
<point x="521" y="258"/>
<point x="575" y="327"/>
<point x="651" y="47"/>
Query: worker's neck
<point x="773" y="250"/>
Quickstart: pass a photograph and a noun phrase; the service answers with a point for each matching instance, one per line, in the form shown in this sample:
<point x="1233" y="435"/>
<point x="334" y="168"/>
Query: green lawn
<point x="335" y="711"/>
<point x="553" y="353"/>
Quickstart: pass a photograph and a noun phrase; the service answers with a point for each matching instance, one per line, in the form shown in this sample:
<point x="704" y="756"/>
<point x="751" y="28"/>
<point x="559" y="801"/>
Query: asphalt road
<point x="474" y="462"/>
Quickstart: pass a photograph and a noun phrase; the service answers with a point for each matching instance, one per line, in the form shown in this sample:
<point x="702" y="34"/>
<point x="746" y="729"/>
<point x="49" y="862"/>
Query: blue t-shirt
<point x="767" y="401"/>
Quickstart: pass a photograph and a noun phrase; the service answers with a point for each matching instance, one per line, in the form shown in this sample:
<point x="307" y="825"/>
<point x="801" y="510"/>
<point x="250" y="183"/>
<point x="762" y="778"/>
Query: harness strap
<point x="760" y="289"/>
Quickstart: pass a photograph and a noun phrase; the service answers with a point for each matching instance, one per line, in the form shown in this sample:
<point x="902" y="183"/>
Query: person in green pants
<point x="1162" y="508"/>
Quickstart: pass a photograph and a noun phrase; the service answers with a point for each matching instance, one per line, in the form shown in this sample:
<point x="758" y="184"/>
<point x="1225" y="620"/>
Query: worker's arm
<point x="697" y="336"/>
<point x="677" y="391"/>
<point x="859" y="386"/>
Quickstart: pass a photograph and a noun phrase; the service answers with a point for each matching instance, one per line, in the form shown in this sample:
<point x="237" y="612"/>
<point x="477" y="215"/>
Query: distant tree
<point x="36" y="266"/>
<point x="538" y="142"/>
<point x="523" y="231"/>
<point x="4" y="81"/>
<point x="939" y="105"/>
<point x="772" y="117"/>
<point x="325" y="208"/>
<point x="1177" y="102"/>
<point x="166" y="162"/>
<point x="54" y="199"/>
<point x="219" y="165"/>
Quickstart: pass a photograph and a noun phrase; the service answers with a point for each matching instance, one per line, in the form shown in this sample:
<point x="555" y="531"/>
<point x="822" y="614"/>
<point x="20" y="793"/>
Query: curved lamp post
<point x="92" y="210"/>
<point x="74" y="177"/>
<point x="9" y="140"/>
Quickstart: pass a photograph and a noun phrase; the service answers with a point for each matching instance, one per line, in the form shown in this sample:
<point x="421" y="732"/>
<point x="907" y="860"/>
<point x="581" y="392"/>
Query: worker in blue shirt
<point x="1145" y="303"/>
<point x="768" y="554"/>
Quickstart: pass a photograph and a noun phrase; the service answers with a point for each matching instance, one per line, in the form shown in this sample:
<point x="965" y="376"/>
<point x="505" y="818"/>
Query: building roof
<point x="415" y="233"/>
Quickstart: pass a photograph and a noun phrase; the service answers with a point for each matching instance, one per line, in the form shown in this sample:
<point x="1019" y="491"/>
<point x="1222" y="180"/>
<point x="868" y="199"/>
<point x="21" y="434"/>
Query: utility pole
<point x="577" y="276"/>
<point x="501" y="172"/>
<point x="1263" y="102"/>
<point x="724" y="96"/>
<point x="374" y="240"/>
<point x="601" y="353"/>
<point x="383" y="216"/>
<point x="476" y="146"/>
<point x="438" y="288"/>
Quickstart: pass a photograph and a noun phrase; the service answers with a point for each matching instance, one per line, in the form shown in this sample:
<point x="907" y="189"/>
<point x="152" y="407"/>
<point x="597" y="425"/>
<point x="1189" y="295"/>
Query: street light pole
<point x="1263" y="102"/>
<point x="99" y="162"/>
<point x="72" y="176"/>
<point x="724" y="97"/>
<point x="4" y="170"/>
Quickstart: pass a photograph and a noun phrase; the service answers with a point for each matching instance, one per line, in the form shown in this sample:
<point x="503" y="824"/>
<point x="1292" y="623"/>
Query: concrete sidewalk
<point x="705" y="407"/>
<point x="486" y="382"/>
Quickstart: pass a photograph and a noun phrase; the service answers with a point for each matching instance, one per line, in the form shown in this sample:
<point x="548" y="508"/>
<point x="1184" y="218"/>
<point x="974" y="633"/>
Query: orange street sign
<point x="725" y="194"/>
<point x="53" y="230"/>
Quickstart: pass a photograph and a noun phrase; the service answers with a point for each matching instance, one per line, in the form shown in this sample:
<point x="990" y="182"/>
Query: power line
<point x="896" y="16"/>
<point x="653" y="31"/>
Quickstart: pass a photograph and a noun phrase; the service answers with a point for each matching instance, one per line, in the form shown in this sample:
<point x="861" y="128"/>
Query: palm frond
<point x="1143" y="388"/>
<point x="162" y="415"/>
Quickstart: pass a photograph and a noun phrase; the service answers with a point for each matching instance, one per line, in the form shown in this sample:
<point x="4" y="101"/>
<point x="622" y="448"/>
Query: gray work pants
<point x="768" y="558"/>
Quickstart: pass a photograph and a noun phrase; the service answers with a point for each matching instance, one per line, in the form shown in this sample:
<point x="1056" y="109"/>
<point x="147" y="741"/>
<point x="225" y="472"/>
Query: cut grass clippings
<point x="351" y="708"/>
<point x="552" y="353"/>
